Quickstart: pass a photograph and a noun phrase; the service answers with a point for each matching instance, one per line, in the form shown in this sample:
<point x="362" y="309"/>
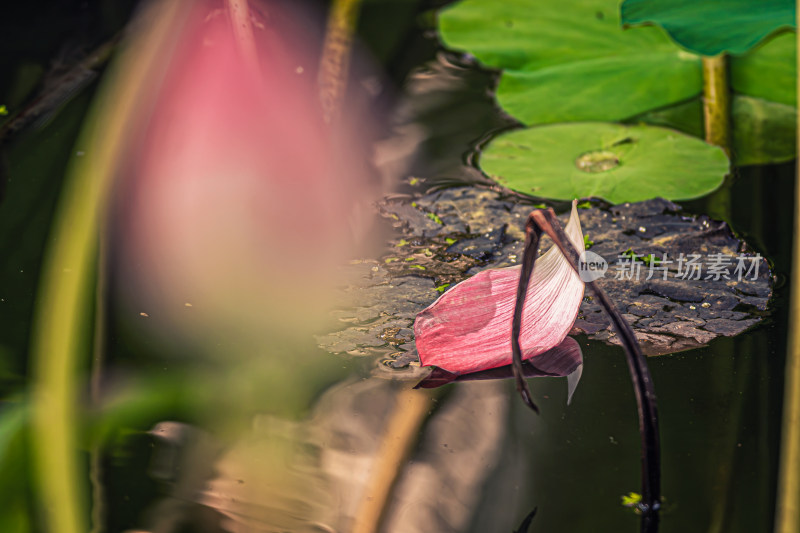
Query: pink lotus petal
<point x="468" y="328"/>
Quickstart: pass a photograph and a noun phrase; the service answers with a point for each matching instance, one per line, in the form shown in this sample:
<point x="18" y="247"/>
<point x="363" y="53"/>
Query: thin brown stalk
<point x="545" y="221"/>
<point x="532" y="236"/>
<point x="410" y="411"/>
<point x="334" y="65"/>
<point x="61" y="90"/>
<point x="787" y="515"/>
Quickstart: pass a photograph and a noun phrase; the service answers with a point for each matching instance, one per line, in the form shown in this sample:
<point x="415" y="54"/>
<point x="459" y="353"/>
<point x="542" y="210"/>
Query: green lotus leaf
<point x="685" y="116"/>
<point x="607" y="88"/>
<point x="763" y="131"/>
<point x="616" y="162"/>
<point x="571" y="60"/>
<point x="711" y="27"/>
<point x="769" y="71"/>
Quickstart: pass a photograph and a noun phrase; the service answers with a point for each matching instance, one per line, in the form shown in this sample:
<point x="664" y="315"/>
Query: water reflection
<point x="453" y="105"/>
<point x="372" y="451"/>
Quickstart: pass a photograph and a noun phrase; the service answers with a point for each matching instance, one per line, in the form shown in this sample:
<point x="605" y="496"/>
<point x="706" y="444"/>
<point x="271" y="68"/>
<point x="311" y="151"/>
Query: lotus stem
<point x="532" y="234"/>
<point x="62" y="316"/>
<point x="526" y="523"/>
<point x="787" y="513"/>
<point x="410" y="411"/>
<point x="717" y="102"/>
<point x="787" y="519"/>
<point x="539" y="221"/>
<point x="335" y="62"/>
<point x="65" y="87"/>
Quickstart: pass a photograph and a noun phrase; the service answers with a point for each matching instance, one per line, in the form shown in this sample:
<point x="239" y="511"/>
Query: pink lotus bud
<point x="238" y="200"/>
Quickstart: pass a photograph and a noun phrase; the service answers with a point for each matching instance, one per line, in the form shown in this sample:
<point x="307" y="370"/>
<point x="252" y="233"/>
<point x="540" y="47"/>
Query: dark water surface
<point x="720" y="405"/>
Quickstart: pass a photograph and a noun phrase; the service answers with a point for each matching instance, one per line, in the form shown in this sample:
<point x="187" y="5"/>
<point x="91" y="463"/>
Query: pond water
<point x="471" y="457"/>
<point x="720" y="405"/>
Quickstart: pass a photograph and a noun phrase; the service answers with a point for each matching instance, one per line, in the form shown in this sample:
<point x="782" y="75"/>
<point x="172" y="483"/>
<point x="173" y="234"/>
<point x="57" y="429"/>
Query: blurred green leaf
<point x="32" y="188"/>
<point x="685" y="116"/>
<point x="769" y="71"/>
<point x="711" y="27"/>
<point x="15" y="511"/>
<point x="764" y="131"/>
<point x="12" y="420"/>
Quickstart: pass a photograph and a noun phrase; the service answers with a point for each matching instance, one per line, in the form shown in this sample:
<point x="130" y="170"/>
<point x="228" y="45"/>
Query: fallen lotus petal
<point x="468" y="329"/>
<point x="566" y="359"/>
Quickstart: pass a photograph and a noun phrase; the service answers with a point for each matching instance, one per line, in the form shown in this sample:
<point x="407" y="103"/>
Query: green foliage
<point x="434" y="217"/>
<point x="571" y="61"/>
<point x="711" y="27"/>
<point x="15" y="512"/>
<point x="632" y="499"/>
<point x="769" y="71"/>
<point x="618" y="163"/>
<point x="650" y="259"/>
<point x="763" y="131"/>
<point x="13" y="417"/>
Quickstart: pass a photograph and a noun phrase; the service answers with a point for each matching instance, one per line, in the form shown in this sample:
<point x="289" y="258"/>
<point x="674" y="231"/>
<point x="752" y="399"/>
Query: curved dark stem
<point x="526" y="523"/>
<point x="532" y="234"/>
<point x="546" y="221"/>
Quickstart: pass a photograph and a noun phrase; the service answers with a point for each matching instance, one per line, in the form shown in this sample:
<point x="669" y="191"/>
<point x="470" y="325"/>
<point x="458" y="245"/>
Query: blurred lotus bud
<point x="237" y="201"/>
